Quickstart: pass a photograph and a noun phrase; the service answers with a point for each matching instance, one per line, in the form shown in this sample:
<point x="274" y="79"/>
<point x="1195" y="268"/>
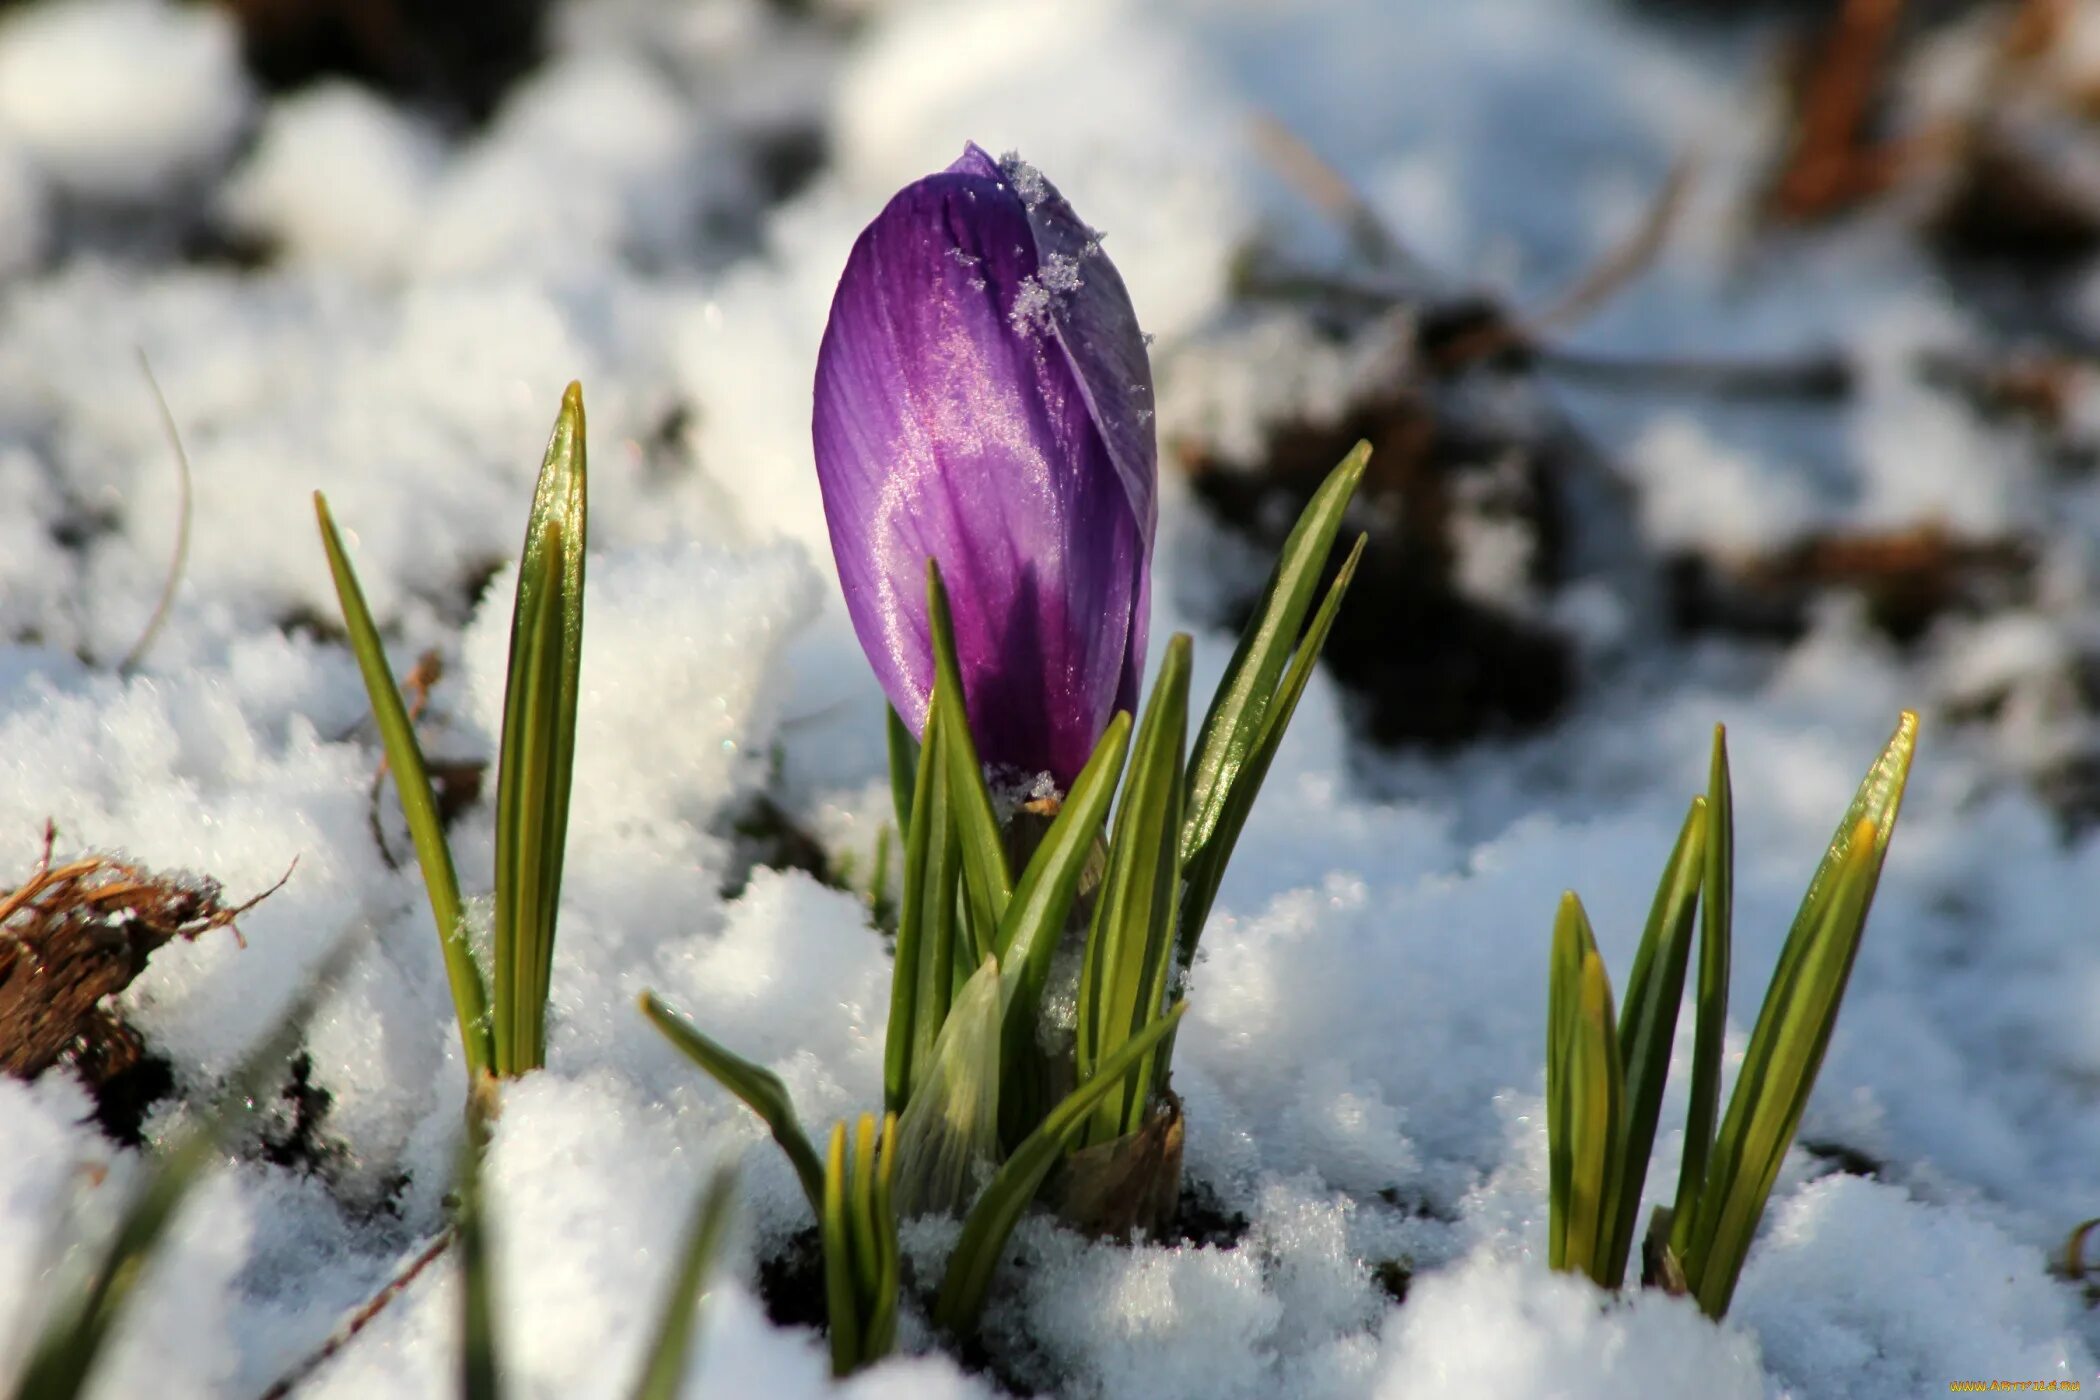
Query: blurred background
<point x="1673" y="323"/>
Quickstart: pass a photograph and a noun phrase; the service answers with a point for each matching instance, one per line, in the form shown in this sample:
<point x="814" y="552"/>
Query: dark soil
<point x="1429" y="663"/>
<point x="454" y="57"/>
<point x="1838" y="1159"/>
<point x="126" y="1079"/>
<point x="791" y="1283"/>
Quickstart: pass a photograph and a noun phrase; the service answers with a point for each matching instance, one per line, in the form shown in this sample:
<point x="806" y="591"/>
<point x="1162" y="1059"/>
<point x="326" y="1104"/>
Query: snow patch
<point x="121" y="99"/>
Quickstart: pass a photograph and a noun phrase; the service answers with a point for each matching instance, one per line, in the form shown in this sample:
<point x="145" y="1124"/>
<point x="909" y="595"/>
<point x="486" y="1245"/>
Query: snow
<point x="338" y="177"/>
<point x="595" y="155"/>
<point x="1362" y="1062"/>
<point x="1496" y="1328"/>
<point x="1696" y="492"/>
<point x="24" y="211"/>
<point x="1973" y="1302"/>
<point x="121" y="99"/>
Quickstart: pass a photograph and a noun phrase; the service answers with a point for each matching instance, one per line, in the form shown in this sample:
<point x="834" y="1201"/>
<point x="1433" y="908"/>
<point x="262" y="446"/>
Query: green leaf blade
<point x="1585" y="1099"/>
<point x="903" y="751"/>
<point x="1793" y="1028"/>
<point x="536" y="761"/>
<point x="922" y="977"/>
<point x="1235" y="720"/>
<point x="1754" y="1143"/>
<point x="836" y="1231"/>
<point x="1648" y="1026"/>
<point x="397" y="737"/>
<point x="1563" y="1008"/>
<point x="987" y="882"/>
<point x="880" y="1335"/>
<point x="1035" y="916"/>
<point x="664" y="1363"/>
<point x="760" y="1090"/>
<point x="480" y="1366"/>
<point x="991" y="1221"/>
<point x="1205" y="868"/>
<point x="1716" y="935"/>
<point x="859" y="1237"/>
<point x="1130" y="947"/>
<point x="1034" y="926"/>
<point x="61" y="1361"/>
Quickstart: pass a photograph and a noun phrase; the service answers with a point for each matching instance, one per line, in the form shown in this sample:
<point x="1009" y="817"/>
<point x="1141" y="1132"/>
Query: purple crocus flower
<point x="983" y="397"/>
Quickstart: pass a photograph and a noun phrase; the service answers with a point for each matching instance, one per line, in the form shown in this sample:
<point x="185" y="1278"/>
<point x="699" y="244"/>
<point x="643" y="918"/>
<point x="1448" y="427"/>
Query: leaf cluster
<point x="504" y="1035"/>
<point x="1605" y="1073"/>
<point x="989" y="1103"/>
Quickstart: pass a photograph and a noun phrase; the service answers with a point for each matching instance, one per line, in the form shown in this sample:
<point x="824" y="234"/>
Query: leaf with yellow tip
<point x="1793" y="1029"/>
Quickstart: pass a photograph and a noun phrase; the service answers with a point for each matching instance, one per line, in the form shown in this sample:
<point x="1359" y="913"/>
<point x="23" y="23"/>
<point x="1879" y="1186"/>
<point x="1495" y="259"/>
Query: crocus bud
<point x="983" y="397"/>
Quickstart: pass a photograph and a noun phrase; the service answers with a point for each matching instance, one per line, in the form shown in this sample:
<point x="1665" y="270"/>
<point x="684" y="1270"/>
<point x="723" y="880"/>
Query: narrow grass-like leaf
<point x="1034" y="926"/>
<point x="69" y="1343"/>
<point x="663" y="1366"/>
<point x="949" y="1133"/>
<point x="987" y="883"/>
<point x="922" y="978"/>
<point x="760" y="1089"/>
<point x="1563" y="1006"/>
<point x="836" y="1233"/>
<point x="879" y="906"/>
<point x="904" y="766"/>
<point x="859" y="1238"/>
<point x="1122" y="982"/>
<point x="991" y="1221"/>
<point x="480" y="1365"/>
<point x="1648" y="1027"/>
<point x="1793" y="1029"/>
<point x="1766" y="1110"/>
<point x="1035" y="916"/>
<point x="889" y="1273"/>
<point x="1204" y="862"/>
<point x="397" y="737"/>
<point x="1585" y="1111"/>
<point x="860" y="1212"/>
<point x="538" y="748"/>
<point x="1716" y="934"/>
<point x="1234" y="724"/>
<point x="72" y="1338"/>
<point x="1879" y="797"/>
<point x="879" y="1337"/>
<point x="876" y="1259"/>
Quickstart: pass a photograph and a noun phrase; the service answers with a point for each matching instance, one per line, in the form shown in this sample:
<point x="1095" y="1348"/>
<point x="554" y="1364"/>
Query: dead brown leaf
<point x="73" y="935"/>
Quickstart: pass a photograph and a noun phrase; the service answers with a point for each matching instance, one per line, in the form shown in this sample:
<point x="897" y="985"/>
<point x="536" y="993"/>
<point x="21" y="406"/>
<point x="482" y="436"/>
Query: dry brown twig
<point x="1624" y="261"/>
<point x="180" y="558"/>
<point x="1813" y="376"/>
<point x="2034" y="30"/>
<point x="1831" y="160"/>
<point x="1618" y="268"/>
<point x="1334" y="194"/>
<point x="1328" y="190"/>
<point x="360" y="1317"/>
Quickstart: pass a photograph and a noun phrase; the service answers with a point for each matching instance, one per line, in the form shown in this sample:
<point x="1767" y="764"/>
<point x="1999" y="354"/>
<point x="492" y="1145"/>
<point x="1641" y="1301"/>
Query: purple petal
<point x="976" y="160"/>
<point x="1095" y="324"/>
<point x="952" y="419"/>
<point x="1098" y="329"/>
